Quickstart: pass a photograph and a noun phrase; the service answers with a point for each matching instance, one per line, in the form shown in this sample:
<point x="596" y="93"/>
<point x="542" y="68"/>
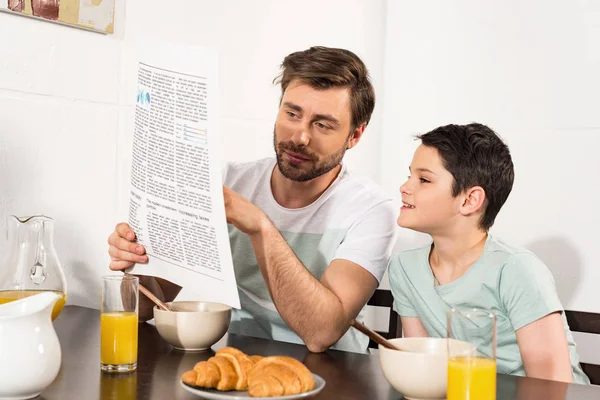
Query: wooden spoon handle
<point x="152" y="297"/>
<point x="377" y="338"/>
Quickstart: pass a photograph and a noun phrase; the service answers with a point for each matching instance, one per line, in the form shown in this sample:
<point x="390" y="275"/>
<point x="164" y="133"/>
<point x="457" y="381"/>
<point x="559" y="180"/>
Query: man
<point x="310" y="242"/>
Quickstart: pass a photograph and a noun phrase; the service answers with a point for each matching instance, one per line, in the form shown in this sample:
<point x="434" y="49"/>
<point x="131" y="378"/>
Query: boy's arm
<point x="544" y="349"/>
<point x="528" y="294"/>
<point x="413" y="327"/>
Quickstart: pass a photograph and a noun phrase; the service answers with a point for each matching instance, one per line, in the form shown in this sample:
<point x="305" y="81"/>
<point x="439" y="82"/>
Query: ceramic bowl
<point x="421" y="370"/>
<point x="192" y="325"/>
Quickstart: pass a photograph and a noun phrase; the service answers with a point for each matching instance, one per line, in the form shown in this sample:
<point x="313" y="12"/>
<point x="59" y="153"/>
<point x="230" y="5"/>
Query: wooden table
<point x="348" y="375"/>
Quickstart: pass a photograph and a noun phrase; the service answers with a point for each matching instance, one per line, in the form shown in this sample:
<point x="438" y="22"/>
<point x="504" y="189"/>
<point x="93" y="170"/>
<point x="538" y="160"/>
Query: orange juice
<point x="118" y="338"/>
<point x="7" y="296"/>
<point x="471" y="379"/>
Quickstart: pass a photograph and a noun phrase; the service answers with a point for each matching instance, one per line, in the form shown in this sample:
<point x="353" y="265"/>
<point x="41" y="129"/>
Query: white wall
<point x="530" y="71"/>
<point x="58" y="128"/>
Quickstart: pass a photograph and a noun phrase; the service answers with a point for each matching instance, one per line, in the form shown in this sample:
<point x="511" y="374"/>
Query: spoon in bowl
<point x="376" y="337"/>
<point x="152" y="297"/>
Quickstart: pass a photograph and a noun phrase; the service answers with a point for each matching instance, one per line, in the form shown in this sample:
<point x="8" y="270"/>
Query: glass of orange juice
<point x="119" y="323"/>
<point x="471" y="354"/>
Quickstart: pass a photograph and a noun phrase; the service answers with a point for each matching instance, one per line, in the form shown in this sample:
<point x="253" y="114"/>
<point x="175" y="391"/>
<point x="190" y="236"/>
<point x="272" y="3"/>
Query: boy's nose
<point x="404" y="188"/>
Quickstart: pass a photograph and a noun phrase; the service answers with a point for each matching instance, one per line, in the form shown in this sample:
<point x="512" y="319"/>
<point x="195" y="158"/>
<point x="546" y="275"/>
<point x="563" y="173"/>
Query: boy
<point x="460" y="178"/>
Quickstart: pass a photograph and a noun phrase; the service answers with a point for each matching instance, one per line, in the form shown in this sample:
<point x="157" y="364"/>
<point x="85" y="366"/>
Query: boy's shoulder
<point x="506" y="255"/>
<point x="409" y="258"/>
<point x="515" y="267"/>
<point x="409" y="266"/>
<point x="414" y="253"/>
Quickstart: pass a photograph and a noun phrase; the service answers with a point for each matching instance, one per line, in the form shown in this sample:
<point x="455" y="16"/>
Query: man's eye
<point x="321" y="125"/>
<point x="291" y="114"/>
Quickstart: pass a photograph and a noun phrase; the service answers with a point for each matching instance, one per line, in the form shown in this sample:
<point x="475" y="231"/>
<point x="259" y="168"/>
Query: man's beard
<point x="317" y="167"/>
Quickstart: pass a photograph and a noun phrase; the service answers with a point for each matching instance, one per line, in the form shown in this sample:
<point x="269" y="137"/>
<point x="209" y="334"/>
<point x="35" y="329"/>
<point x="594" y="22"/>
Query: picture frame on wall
<point x="96" y="15"/>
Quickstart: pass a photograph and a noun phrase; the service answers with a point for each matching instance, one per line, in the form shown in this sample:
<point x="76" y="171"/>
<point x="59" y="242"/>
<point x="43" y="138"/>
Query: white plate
<point x="235" y="395"/>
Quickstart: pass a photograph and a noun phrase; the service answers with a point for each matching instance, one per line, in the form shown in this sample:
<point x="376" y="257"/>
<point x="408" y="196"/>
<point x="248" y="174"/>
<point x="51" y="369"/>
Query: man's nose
<point x="301" y="137"/>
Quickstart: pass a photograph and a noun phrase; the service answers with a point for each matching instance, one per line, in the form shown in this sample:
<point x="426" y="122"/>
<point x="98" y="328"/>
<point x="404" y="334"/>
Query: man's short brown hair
<point x="324" y="68"/>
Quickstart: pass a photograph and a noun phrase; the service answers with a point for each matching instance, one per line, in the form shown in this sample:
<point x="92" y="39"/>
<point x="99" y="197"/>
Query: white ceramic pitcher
<point x="30" y="354"/>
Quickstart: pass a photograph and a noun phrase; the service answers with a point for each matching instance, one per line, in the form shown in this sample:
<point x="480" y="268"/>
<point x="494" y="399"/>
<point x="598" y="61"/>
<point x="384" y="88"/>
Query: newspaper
<point x="176" y="195"/>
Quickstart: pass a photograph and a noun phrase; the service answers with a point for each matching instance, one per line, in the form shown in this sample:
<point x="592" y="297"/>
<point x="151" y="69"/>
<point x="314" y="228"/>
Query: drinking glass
<point x="471" y="354"/>
<point x="119" y="323"/>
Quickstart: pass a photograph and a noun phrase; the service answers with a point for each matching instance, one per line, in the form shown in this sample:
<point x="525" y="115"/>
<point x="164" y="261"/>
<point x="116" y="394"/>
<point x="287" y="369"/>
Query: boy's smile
<point x="406" y="205"/>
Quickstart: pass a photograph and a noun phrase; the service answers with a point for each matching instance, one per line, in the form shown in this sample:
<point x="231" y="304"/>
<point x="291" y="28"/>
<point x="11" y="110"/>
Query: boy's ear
<point x="474" y="200"/>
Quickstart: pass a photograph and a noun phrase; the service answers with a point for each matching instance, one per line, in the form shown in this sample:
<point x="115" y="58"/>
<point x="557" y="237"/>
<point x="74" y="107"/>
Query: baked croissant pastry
<point x="227" y="370"/>
<point x="279" y="376"/>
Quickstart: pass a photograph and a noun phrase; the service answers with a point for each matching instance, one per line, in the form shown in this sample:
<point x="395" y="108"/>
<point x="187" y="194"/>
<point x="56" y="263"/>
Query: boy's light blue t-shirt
<point x="511" y="282"/>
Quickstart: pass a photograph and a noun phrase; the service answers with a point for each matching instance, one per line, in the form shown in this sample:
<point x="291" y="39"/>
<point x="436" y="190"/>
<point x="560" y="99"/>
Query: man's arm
<point x="544" y="349"/>
<point x="320" y="312"/>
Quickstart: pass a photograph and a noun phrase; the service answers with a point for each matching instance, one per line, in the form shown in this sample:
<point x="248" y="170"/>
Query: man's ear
<point x="355" y="136"/>
<point x="473" y="201"/>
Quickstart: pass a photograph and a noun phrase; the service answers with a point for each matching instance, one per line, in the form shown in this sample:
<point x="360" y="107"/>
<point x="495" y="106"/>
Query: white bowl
<point x="421" y="371"/>
<point x="192" y="325"/>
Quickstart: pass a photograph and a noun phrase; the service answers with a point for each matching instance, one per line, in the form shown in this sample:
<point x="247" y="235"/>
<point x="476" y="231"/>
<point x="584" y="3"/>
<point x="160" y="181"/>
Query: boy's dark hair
<point x="324" y="68"/>
<point x="475" y="156"/>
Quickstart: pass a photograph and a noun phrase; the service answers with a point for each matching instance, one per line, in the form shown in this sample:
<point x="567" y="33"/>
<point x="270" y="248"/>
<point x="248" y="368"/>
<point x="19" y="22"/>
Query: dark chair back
<point x="587" y="323"/>
<point x="384" y="298"/>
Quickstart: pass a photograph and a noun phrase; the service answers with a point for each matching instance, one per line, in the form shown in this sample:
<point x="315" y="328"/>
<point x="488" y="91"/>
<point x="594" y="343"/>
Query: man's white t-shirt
<point x="352" y="220"/>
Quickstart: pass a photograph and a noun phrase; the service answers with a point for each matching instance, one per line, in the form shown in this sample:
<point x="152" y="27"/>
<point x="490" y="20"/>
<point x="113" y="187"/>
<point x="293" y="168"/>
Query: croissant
<point x="279" y="376"/>
<point x="227" y="370"/>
